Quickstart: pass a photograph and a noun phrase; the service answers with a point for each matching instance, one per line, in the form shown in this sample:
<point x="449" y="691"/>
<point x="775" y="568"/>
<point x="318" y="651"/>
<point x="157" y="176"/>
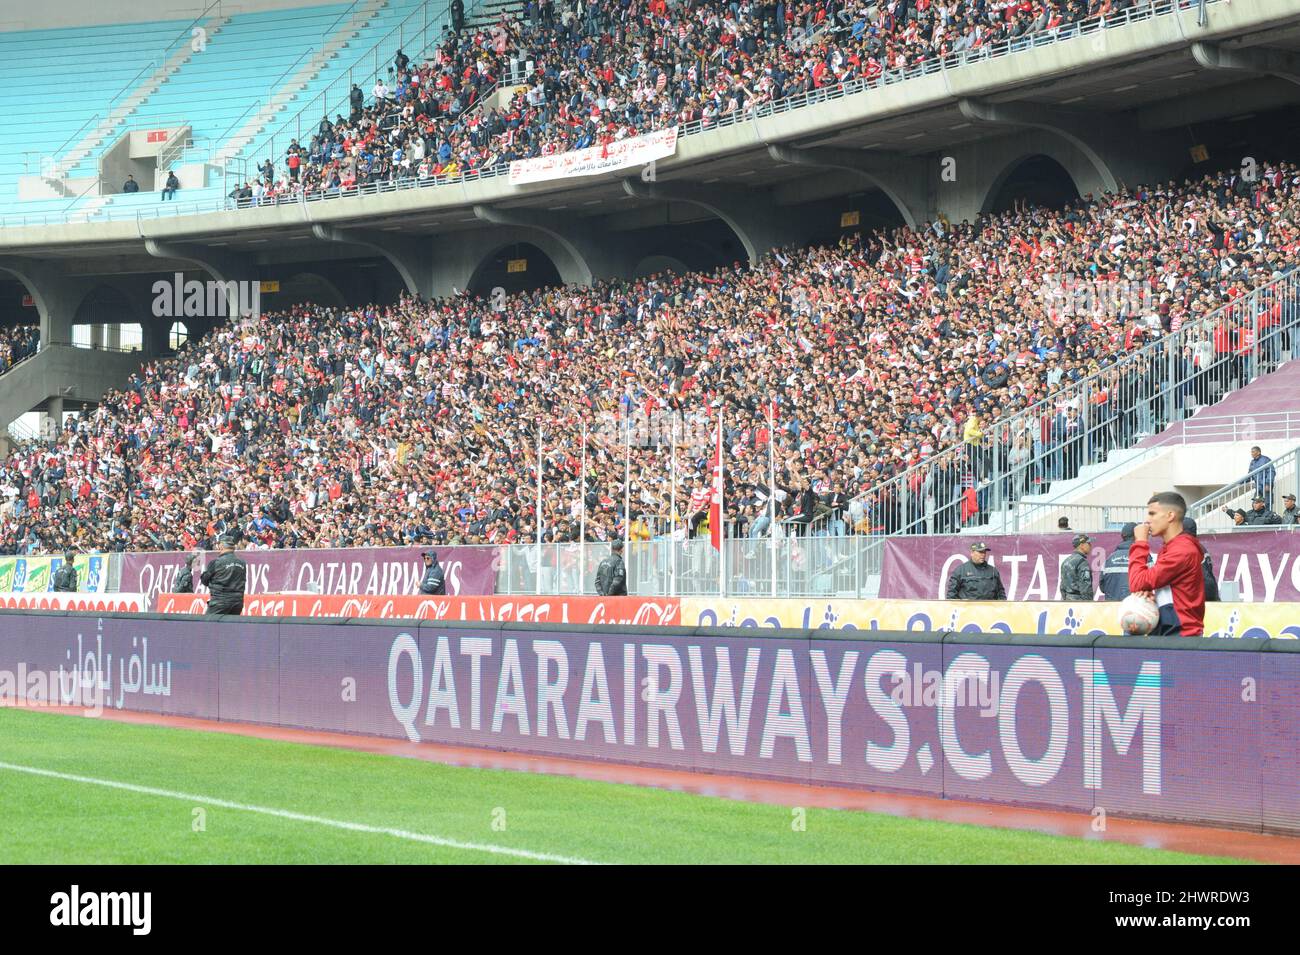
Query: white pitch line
<point x="301" y="817"/>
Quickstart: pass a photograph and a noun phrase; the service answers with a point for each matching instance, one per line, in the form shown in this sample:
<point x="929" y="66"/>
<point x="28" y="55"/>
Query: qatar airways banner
<point x="358" y="570"/>
<point x="1265" y="565"/>
<point x="625" y="611"/>
<point x="1138" y="728"/>
<point x="612" y="157"/>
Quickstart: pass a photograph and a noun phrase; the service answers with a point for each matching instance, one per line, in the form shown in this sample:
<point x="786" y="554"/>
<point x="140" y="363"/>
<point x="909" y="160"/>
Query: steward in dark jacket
<point x="1076" y="575"/>
<point x="185" y="579"/>
<point x="1207" y="565"/>
<point x="611" y="575"/>
<point x="434" y="583"/>
<point x="1114" y="573"/>
<point x="226" y="578"/>
<point x="976" y="579"/>
<point x="65" y="578"/>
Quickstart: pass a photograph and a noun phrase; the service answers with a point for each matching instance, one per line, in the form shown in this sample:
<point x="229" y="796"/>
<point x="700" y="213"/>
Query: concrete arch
<point x="543" y="266"/>
<point x="304" y="286"/>
<point x="652" y="264"/>
<point x="996" y="198"/>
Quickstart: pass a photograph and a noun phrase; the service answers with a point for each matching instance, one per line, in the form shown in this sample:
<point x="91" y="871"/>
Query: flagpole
<point x="771" y="492"/>
<point x="722" y="517"/>
<point x="627" y="486"/>
<point x="582" y="520"/>
<point x="538" y="574"/>
<point x="672" y="517"/>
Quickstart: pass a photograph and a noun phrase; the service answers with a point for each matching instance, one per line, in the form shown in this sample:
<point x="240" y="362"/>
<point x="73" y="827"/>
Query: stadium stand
<point x="266" y="69"/>
<point x="606" y="71"/>
<point x="17" y="343"/>
<point x="876" y="355"/>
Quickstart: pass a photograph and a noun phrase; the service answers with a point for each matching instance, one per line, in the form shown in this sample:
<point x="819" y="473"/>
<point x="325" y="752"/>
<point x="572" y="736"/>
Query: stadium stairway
<point x="63" y="371"/>
<point x="1198" y="455"/>
<point x="80" y="158"/>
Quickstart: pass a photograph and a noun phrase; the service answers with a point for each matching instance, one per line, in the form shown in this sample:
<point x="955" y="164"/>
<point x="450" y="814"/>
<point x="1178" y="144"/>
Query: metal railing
<point x="335" y="97"/>
<point x="790" y="566"/>
<point x="952" y="61"/>
<point x="991" y="470"/>
<point x="1281" y="476"/>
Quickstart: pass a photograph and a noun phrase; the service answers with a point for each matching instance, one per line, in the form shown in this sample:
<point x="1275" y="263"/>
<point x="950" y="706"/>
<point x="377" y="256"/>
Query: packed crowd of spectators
<point x="589" y="73"/>
<point x="16" y="343"/>
<point x="419" y="421"/>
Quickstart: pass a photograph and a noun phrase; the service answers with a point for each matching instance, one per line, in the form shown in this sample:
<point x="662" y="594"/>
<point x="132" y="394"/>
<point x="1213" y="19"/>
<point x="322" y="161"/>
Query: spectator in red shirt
<point x="1175" y="580"/>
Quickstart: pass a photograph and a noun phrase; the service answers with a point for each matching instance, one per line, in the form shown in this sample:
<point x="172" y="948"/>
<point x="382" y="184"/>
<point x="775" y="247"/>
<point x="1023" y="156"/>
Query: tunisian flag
<point x="715" y="506"/>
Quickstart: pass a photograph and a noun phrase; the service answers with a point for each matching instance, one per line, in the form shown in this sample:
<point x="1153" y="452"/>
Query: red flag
<point x="715" y="507"/>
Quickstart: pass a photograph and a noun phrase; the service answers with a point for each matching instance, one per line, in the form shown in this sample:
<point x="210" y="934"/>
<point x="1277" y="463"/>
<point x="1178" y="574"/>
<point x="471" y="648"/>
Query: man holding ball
<point x="1175" y="580"/>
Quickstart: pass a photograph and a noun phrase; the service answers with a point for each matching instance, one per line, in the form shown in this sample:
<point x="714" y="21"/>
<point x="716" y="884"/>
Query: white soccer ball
<point x="1138" y="615"/>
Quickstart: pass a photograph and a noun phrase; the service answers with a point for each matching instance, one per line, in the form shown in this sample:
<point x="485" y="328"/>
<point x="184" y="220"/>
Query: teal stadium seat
<point x="64" y="82"/>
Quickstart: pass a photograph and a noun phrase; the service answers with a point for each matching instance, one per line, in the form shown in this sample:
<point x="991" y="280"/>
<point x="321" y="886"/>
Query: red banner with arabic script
<point x="660" y="611"/>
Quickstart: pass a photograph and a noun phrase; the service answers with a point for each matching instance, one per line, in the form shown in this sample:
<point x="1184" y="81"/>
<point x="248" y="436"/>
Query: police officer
<point x="976" y="579"/>
<point x="611" y="575"/>
<point x="1076" y="575"/>
<point x="1114" y="573"/>
<point x="225" y="577"/>
<point x="185" y="579"/>
<point x="65" y="579"/>
<point x="434" y="582"/>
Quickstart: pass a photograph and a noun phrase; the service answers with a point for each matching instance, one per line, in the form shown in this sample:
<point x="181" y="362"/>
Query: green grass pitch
<point x="184" y="796"/>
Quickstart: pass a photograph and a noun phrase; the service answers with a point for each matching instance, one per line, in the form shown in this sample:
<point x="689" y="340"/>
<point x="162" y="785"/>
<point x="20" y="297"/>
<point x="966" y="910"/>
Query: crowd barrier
<point x="1256" y="621"/>
<point x="1180" y="730"/>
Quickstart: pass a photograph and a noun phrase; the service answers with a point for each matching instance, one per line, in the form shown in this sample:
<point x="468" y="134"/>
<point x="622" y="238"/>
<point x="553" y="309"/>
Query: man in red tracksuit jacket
<point x="1175" y="579"/>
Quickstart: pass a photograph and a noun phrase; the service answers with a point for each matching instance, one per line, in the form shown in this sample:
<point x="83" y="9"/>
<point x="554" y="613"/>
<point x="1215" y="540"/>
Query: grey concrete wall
<point x="90" y="373"/>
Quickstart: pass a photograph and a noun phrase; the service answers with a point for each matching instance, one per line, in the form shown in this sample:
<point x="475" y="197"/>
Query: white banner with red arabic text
<point x="611" y="157"/>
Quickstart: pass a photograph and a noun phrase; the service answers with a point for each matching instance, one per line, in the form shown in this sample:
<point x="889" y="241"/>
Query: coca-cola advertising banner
<point x="1265" y="565"/>
<point x="347" y="571"/>
<point x="637" y="611"/>
<point x="1138" y="728"/>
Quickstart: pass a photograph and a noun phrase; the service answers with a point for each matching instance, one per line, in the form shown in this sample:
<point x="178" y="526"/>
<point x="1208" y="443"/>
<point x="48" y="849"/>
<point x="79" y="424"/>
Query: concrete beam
<point x="411" y="256"/>
<point x="1264" y="60"/>
<point x="228" y="268"/>
<point x="884" y="171"/>
<point x="759" y="227"/>
<point x="1078" y="129"/>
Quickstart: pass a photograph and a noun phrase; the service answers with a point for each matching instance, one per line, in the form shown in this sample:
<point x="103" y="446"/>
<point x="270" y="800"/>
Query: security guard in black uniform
<point x="976" y="579"/>
<point x="1076" y="575"/>
<point x="226" y="578"/>
<point x="65" y="578"/>
<point x="1114" y="573"/>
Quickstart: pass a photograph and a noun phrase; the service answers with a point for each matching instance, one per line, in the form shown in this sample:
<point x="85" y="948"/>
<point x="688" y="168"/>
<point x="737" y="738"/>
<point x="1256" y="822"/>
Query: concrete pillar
<point x="57" y="295"/>
<point x="54" y="411"/>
